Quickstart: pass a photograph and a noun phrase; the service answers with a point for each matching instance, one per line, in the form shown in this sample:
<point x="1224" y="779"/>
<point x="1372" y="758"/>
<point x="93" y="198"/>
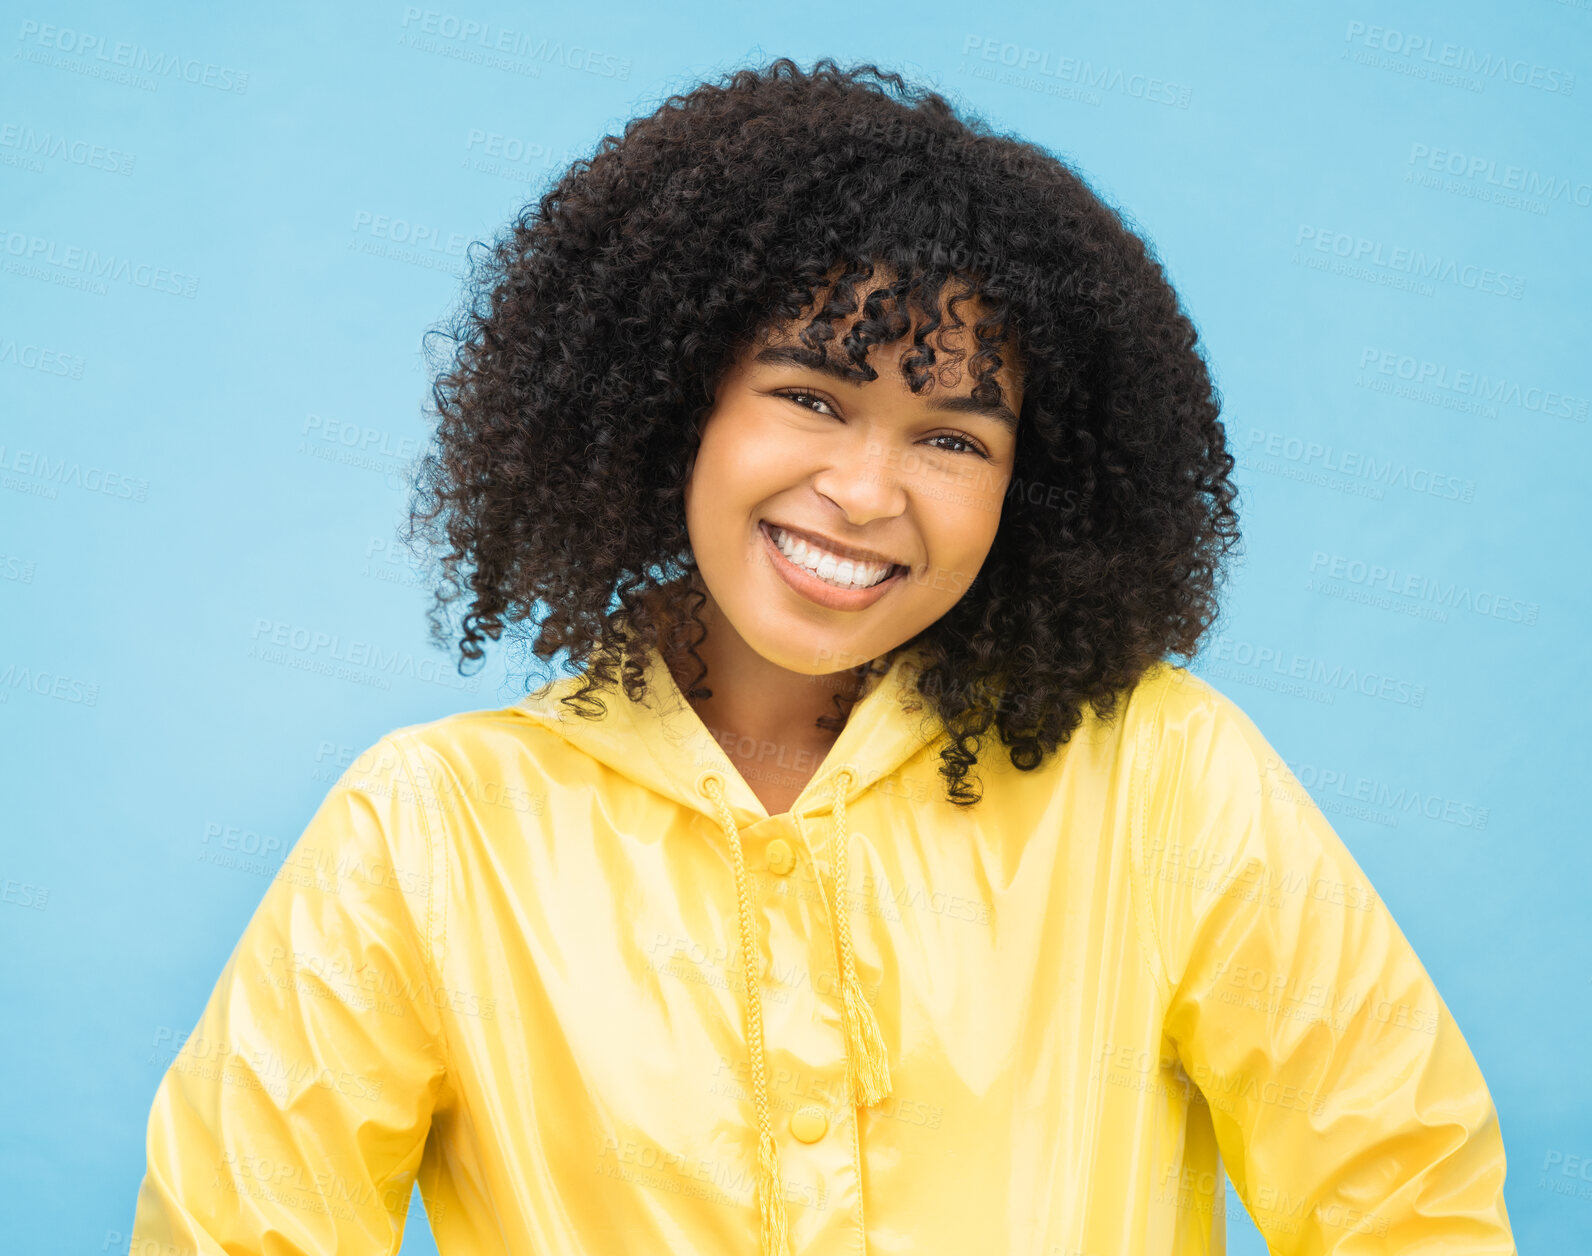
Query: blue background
<point x="214" y="446"/>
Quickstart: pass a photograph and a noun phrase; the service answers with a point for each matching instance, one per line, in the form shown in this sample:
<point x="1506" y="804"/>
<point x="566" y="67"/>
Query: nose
<point x="861" y="479"/>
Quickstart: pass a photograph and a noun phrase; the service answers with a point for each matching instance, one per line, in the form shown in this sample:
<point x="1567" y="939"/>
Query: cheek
<point x="749" y="464"/>
<point x="729" y="479"/>
<point x="958" y="545"/>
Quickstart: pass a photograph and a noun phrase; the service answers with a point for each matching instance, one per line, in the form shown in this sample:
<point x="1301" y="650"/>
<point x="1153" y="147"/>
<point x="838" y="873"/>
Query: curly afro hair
<point x="594" y="331"/>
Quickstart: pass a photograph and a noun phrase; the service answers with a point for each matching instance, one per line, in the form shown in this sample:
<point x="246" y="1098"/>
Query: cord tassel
<point x="871" y="1066"/>
<point x="867" y="1047"/>
<point x="771" y="1199"/>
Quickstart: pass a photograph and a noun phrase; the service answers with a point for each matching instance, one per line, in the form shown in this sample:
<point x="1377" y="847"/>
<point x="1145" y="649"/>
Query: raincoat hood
<point x="661" y="744"/>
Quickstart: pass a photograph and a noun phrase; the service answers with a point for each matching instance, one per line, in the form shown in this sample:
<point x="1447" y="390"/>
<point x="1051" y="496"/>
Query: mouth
<point x="824" y="577"/>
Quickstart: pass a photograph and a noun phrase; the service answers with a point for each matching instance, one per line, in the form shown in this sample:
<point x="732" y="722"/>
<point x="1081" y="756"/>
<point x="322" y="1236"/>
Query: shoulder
<point x="1166" y="697"/>
<point x="1170" y="691"/>
<point x="1190" y="738"/>
<point x="493" y="756"/>
<point x="465" y="735"/>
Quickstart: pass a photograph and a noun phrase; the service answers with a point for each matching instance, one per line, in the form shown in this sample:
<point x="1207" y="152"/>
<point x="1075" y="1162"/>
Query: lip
<point x="815" y="590"/>
<point x="834" y="547"/>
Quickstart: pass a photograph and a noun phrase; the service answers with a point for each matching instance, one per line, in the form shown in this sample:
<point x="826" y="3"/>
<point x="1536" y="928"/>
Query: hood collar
<point x="661" y="743"/>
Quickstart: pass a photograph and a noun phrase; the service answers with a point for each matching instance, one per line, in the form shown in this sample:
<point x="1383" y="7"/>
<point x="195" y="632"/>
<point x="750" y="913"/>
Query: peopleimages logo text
<point x="1497" y="389"/>
<point x="43" y="251"/>
<point x="331" y="648"/>
<point x="515" y="43"/>
<point x="134" y="57"/>
<point x="1410" y="261"/>
<point x="1452" y="595"/>
<point x="1449" y="56"/>
<point x="1524" y="179"/>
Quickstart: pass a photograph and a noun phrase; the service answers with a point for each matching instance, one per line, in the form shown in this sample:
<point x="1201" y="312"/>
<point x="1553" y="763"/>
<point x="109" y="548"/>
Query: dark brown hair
<point x="595" y="330"/>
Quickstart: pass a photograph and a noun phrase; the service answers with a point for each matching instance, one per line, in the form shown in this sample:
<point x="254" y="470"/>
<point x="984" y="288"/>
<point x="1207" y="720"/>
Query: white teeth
<point x="843" y="573"/>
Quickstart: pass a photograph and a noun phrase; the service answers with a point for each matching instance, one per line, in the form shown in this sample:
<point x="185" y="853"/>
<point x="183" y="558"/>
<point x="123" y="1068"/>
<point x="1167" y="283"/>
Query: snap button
<point x="781" y="859"/>
<point x="809" y="1124"/>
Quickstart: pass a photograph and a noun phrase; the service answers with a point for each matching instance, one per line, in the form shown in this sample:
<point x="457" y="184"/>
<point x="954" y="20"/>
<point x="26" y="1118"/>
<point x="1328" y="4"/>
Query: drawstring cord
<point x="871" y="1071"/>
<point x="770" y="1195"/>
<point x="872" y="1068"/>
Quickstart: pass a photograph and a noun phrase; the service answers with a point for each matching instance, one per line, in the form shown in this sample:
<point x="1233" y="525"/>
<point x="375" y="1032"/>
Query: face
<point x="807" y="487"/>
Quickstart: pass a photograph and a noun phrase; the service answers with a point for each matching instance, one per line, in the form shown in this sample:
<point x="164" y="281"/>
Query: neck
<point x="753" y="702"/>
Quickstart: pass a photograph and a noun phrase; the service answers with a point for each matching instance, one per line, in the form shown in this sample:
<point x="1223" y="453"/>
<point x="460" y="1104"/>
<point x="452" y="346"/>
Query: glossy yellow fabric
<point x="505" y="958"/>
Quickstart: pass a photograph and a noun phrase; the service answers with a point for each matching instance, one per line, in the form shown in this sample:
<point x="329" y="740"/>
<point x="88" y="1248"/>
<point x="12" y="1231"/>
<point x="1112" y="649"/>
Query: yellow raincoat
<point x="506" y="959"/>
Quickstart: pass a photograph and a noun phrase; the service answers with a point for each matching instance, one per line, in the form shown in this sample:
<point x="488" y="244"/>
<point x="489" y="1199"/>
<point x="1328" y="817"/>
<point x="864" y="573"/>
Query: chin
<point x="816" y="658"/>
<point x="804" y="659"/>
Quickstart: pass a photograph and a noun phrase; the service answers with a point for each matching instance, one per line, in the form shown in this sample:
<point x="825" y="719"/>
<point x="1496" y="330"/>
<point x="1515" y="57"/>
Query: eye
<point x="972" y="447"/>
<point x="796" y="393"/>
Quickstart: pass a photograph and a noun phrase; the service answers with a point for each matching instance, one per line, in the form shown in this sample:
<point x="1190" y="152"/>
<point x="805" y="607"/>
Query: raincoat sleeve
<point x="294" y="1115"/>
<point x="1347" y="1107"/>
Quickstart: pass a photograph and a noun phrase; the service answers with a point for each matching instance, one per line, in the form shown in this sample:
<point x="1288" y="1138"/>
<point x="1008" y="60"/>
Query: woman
<point x="834" y="434"/>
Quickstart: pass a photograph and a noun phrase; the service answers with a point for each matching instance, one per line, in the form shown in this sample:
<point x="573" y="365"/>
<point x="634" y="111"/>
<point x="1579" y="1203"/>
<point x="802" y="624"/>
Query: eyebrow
<point x="794" y="355"/>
